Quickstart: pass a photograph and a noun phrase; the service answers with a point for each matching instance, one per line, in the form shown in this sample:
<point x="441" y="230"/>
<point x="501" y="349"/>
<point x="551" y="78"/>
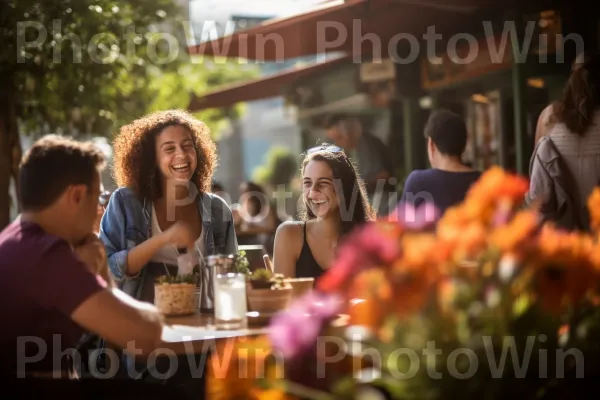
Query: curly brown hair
<point x="135" y="152"/>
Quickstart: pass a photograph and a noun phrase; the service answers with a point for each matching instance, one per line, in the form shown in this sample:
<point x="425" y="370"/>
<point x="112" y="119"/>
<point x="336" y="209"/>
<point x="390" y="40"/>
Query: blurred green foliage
<point x="84" y="68"/>
<point x="279" y="168"/>
<point x="90" y="66"/>
<point x="175" y="89"/>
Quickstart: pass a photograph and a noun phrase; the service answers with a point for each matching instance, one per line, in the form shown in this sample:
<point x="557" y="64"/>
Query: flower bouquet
<point x="484" y="302"/>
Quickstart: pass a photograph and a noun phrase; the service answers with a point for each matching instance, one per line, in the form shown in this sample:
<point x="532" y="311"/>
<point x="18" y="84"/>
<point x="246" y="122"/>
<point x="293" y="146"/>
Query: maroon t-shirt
<point x="42" y="282"/>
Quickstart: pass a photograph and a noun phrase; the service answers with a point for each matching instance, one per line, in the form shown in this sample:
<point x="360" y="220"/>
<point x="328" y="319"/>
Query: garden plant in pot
<point x="268" y="292"/>
<point x="176" y="295"/>
<point x="241" y="264"/>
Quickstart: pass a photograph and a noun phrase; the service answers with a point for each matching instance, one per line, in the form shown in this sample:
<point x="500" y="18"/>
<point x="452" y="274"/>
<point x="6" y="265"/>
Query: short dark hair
<point x="51" y="165"/>
<point x="258" y="197"/>
<point x="334" y="119"/>
<point x="448" y="132"/>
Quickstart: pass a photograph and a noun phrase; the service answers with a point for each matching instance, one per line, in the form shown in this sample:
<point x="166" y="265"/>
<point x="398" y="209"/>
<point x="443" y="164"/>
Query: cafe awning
<point x="266" y="87"/>
<point x="339" y="27"/>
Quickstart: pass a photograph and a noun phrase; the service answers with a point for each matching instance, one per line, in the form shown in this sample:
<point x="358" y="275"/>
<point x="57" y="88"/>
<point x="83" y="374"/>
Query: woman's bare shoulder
<point x="289" y="239"/>
<point x="290" y="229"/>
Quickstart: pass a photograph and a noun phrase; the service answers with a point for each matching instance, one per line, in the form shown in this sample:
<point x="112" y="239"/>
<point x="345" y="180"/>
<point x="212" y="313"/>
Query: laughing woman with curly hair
<point x="163" y="165"/>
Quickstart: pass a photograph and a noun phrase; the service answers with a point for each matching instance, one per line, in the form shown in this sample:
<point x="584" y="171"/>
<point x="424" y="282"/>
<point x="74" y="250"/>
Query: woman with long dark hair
<point x="546" y="119"/>
<point x="334" y="203"/>
<point x="565" y="166"/>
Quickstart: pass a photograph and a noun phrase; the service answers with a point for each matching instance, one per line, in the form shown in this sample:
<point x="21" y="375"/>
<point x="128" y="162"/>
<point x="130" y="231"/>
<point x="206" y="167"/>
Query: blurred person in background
<point x="546" y="120"/>
<point x="371" y="157"/>
<point x="447" y="181"/>
<point x="334" y="203"/>
<point x="219" y="190"/>
<point x="565" y="165"/>
<point x="257" y="219"/>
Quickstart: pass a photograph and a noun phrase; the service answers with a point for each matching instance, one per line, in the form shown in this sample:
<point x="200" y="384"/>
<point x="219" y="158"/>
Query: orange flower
<point x="496" y="184"/>
<point x="485" y="185"/>
<point x="568" y="248"/>
<point x="595" y="256"/>
<point x="469" y="211"/>
<point x="234" y="367"/>
<point x="446" y="293"/>
<point x="495" y="188"/>
<point x="508" y="238"/>
<point x="412" y="285"/>
<point x="371" y="282"/>
<point x="464" y="241"/>
<point x="372" y="286"/>
<point x="513" y="187"/>
<point x="558" y="286"/>
<point x="368" y="312"/>
<point x="420" y="249"/>
<point x="472" y="240"/>
<point x="450" y="225"/>
<point x="593" y="205"/>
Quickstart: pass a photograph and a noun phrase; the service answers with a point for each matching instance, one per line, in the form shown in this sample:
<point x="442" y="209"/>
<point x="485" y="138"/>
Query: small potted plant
<point x="241" y="265"/>
<point x="176" y="295"/>
<point x="268" y="292"/>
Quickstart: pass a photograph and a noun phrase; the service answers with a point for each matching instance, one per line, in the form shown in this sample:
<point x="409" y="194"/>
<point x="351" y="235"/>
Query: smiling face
<point x="176" y="154"/>
<point x="318" y="190"/>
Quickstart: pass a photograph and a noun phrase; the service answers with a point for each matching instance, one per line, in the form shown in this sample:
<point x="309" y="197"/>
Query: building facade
<point x="265" y="123"/>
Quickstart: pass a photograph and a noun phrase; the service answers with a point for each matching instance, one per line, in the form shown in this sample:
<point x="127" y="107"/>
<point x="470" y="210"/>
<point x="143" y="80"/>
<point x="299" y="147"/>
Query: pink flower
<point x="380" y="242"/>
<point x="296" y="329"/>
<point x="420" y="218"/>
<point x="372" y="245"/>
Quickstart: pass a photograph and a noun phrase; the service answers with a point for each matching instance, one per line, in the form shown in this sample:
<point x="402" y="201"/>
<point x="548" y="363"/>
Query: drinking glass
<point x="230" y="301"/>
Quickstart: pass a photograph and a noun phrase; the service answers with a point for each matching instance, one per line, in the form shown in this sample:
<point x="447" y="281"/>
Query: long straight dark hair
<point x="581" y="97"/>
<point x="348" y="186"/>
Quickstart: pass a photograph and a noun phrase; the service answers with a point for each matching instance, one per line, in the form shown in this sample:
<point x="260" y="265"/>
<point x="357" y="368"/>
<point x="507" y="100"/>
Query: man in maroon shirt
<point x="54" y="282"/>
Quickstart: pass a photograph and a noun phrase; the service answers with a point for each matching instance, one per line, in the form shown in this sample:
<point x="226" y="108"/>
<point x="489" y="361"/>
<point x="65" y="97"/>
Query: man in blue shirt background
<point x="447" y="182"/>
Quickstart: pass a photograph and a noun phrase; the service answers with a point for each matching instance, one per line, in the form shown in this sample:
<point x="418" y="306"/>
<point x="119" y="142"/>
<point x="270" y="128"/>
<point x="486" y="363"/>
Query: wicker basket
<point x="175" y="298"/>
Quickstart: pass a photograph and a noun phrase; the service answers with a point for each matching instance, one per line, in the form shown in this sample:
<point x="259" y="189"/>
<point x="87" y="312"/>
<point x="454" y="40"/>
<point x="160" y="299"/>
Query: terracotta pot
<point x="175" y="298"/>
<point x="268" y="300"/>
<point x="300" y="286"/>
<point x="260" y="284"/>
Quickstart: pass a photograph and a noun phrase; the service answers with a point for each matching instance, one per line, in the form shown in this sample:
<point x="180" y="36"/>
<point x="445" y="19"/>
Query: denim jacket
<point x="127" y="223"/>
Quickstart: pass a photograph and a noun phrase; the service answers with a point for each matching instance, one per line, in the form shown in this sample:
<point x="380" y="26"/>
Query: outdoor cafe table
<point x="197" y="334"/>
<point x="193" y="333"/>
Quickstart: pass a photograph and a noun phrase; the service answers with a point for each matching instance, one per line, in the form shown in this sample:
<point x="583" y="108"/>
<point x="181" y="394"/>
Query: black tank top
<point x="307" y="266"/>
